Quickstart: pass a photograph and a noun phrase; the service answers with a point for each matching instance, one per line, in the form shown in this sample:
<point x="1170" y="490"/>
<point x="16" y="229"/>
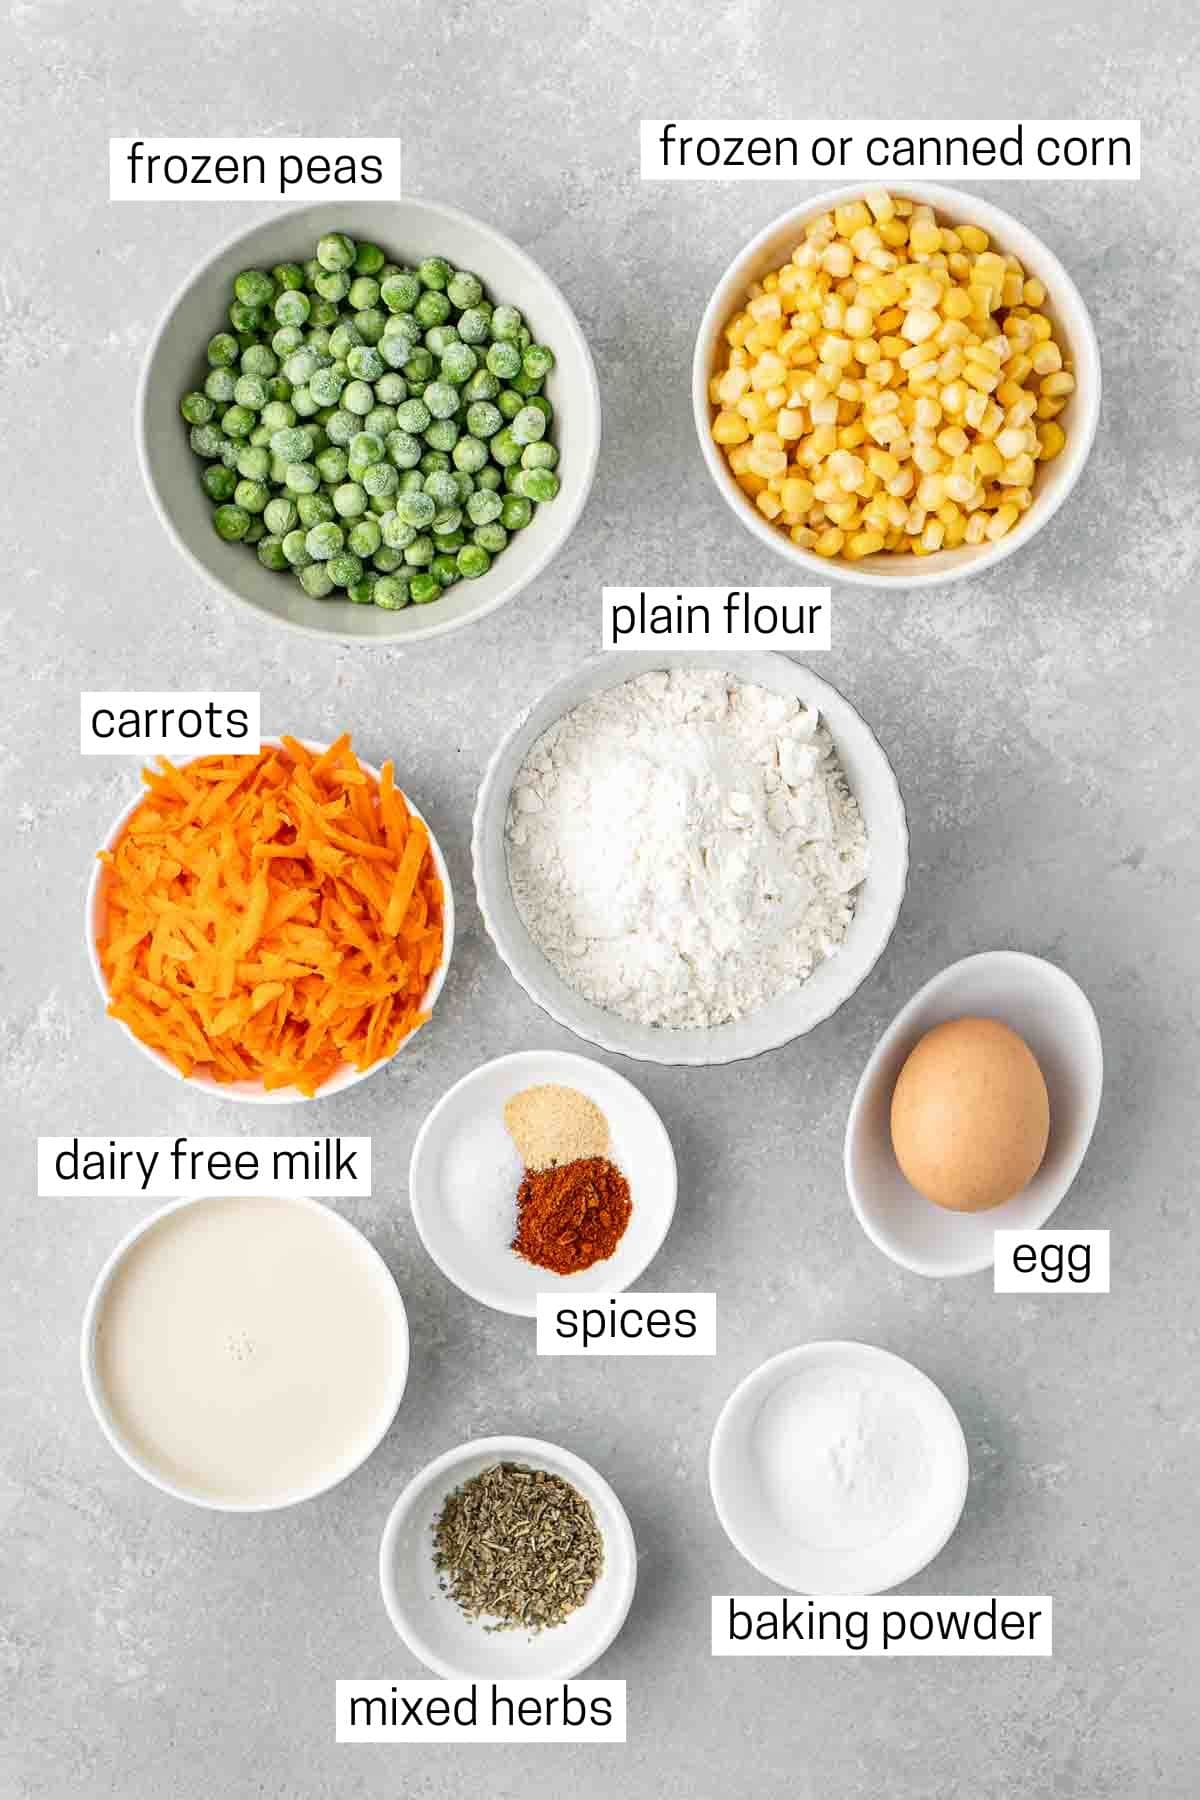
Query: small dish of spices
<point x="539" y="1170"/>
<point x="508" y="1558"/>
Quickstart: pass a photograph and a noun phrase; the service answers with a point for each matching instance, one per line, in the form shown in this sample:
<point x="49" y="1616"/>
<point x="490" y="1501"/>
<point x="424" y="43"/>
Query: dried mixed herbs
<point x="518" y="1546"/>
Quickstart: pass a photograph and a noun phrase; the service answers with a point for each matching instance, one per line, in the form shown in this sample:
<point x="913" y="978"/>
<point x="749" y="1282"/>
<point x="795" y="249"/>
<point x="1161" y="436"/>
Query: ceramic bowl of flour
<point x="781" y="1016"/>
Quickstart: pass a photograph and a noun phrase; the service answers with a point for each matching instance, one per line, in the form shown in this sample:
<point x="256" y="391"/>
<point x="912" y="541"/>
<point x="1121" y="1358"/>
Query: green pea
<point x="362" y="591"/>
<point x="331" y="464"/>
<point x="466" y="485"/>
<point x="314" y="509"/>
<point x="369" y="258"/>
<point x="442" y="487"/>
<point x="433" y="459"/>
<point x="431" y="309"/>
<point x="483" y="419"/>
<point x="515" y="512"/>
<point x="302" y="478"/>
<point x="301" y="365"/>
<point x="424" y="588"/>
<point x="364" y="537"/>
<point x="364" y="292"/>
<point x="219" y="385"/>
<point x="294" y="443"/>
<point x="491" y="538"/>
<point x="537" y="361"/>
<point x="251" y="391"/>
<point x="510" y="403"/>
<point x="447" y="519"/>
<point x="469" y="454"/>
<point x="459" y="363"/>
<point x="341" y="427"/>
<point x="540" y="402"/>
<point x="238" y="422"/>
<point x="370" y="322"/>
<point x="343" y="338"/>
<point x="484" y="507"/>
<point x="395" y="349"/>
<point x="287" y="275"/>
<point x="483" y="385"/>
<point x="489" y="477"/>
<point x="387" y="561"/>
<point x="292" y="307"/>
<point x="420" y="365"/>
<point x="390" y="389"/>
<point x="420" y="552"/>
<point x="259" y="360"/>
<point x="270" y="553"/>
<point x="336" y="251"/>
<point x="504" y="360"/>
<point x="324" y="541"/>
<point x="474" y="327"/>
<point x="326" y="386"/>
<point x="539" y="484"/>
<point x="380" y="420"/>
<point x="396" y="533"/>
<point x="316" y="581"/>
<point x="197" y="408"/>
<point x="332" y="284"/>
<point x="280" y="516"/>
<point x="223" y="351"/>
<point x="255" y="531"/>
<point x="345" y="569"/>
<point x="358" y="397"/>
<point x="349" y="500"/>
<point x="435" y="272"/>
<point x="416" y="508"/>
<point x="295" y="549"/>
<point x="400" y="293"/>
<point x="365" y="363"/>
<point x="505" y="449"/>
<point x="254" y="463"/>
<point x="526" y="385"/>
<point x="445" y="567"/>
<point x="464" y="289"/>
<point x="442" y="435"/>
<point x="529" y="426"/>
<point x="287" y="339"/>
<point x="380" y="480"/>
<point x="473" y="561"/>
<point x="392" y="592"/>
<point x="539" y="456"/>
<point x="254" y="288"/>
<point x="219" y="482"/>
<point x="506" y="325"/>
<point x="231" y="523"/>
<point x="403" y="449"/>
<point x="365" y="447"/>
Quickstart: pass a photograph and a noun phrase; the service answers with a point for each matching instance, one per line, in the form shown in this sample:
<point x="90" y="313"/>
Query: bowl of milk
<point x="245" y="1352"/>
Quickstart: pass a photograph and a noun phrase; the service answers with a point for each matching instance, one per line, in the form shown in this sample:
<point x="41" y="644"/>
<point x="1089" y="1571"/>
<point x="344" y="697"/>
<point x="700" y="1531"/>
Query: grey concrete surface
<point x="1043" y="724"/>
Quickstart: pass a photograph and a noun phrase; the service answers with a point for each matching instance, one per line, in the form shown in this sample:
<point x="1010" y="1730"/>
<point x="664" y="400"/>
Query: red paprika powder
<point x="571" y="1216"/>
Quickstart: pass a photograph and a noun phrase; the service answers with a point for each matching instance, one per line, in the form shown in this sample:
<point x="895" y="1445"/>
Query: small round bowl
<point x="761" y="1535"/>
<point x="1052" y="1013"/>
<point x="252" y="1093"/>
<point x="460" y="1649"/>
<point x="468" y="1232"/>
<point x="404" y="229"/>
<point x="1064" y="305"/>
<point x="789" y="1015"/>
<point x="108" y="1425"/>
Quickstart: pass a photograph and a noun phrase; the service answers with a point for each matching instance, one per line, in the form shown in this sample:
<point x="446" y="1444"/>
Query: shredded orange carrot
<point x="271" y="918"/>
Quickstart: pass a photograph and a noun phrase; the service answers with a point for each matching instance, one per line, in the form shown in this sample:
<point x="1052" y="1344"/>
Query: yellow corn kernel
<point x="804" y="536"/>
<point x="973" y="239"/>
<point x="767" y="306"/>
<point x="956" y="304"/>
<point x="1040" y="327"/>
<point x="933" y="535"/>
<point x="1048" y="408"/>
<point x="1051" y="438"/>
<point x="977" y="376"/>
<point x="1034" y="293"/>
<point x="953" y="440"/>
<point x="924" y="237"/>
<point x="1046" y="359"/>
<point x="768" y="504"/>
<point x="730" y="428"/>
<point x="1002" y="522"/>
<point x="796" y="495"/>
<point x="881" y="204"/>
<point x="988" y="460"/>
<point x="882" y="463"/>
<point x="1058" y="385"/>
<point x="863" y="543"/>
<point x="956" y="532"/>
<point x="830" y="542"/>
<point x="790" y="423"/>
<point x="976" y="530"/>
<point x="1017" y="473"/>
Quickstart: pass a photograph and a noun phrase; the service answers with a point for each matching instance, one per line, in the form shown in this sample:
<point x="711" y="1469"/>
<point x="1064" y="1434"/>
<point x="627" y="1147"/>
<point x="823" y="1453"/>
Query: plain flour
<point x="684" y="847"/>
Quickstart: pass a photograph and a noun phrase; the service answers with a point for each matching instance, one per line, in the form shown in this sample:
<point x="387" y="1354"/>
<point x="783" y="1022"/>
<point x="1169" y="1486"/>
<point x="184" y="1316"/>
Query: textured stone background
<point x="1043" y="724"/>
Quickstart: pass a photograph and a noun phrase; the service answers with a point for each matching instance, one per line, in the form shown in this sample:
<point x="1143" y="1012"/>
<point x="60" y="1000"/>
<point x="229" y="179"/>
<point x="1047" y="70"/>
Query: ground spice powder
<point x="573" y="1216"/>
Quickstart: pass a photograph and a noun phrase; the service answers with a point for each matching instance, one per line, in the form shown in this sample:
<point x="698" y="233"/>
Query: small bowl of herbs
<point x="508" y="1558"/>
<point x="369" y="420"/>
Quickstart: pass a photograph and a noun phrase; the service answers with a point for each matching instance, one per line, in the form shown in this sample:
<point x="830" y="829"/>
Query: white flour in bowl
<point x="684" y="847"/>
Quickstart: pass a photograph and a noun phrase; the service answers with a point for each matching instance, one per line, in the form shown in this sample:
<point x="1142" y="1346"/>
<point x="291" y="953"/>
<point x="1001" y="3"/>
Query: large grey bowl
<point x="406" y="230"/>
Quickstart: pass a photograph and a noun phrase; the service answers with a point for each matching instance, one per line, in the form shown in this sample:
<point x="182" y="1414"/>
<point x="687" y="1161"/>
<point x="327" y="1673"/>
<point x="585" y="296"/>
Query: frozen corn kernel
<point x="892" y="387"/>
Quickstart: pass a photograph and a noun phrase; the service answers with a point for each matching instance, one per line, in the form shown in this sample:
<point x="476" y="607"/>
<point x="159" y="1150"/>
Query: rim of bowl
<point x="93" y="1387"/>
<point x="244" y="1094"/>
<point x="330" y="633"/>
<point x="602" y="1037"/>
<point x="799" y="1354"/>
<point x="513" y="1058"/>
<point x="1077" y="449"/>
<point x="973" y="1265"/>
<point x="590" y="1482"/>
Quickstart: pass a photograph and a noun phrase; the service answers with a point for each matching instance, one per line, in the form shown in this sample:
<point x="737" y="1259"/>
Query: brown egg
<point x="970" y="1115"/>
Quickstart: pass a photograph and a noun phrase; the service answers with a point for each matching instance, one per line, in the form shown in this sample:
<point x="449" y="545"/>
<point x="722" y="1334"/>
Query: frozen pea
<point x="362" y="591"/>
<point x="442" y="435"/>
<point x="380" y="420"/>
<point x="445" y="567"/>
<point x="459" y="363"/>
<point x="539" y="484"/>
<point x="259" y="359"/>
<point x="515" y="512"/>
<point x="197" y="408"/>
<point x="537" y="361"/>
<point x="364" y="537"/>
<point x="387" y="561"/>
<point x="442" y="487"/>
<point x="434" y="272"/>
<point x="343" y="338"/>
<point x="349" y="500"/>
<point x="238" y="422"/>
<point x="369" y="259"/>
<point x="491" y="538"/>
<point x="484" y="507"/>
<point x="464" y="289"/>
<point x="505" y="449"/>
<point x="403" y="448"/>
<point x="301" y="365"/>
<point x="254" y="463"/>
<point x="412" y="481"/>
<point x="424" y="588"/>
<point x="506" y="325"/>
<point x="292" y="307"/>
<point x="254" y="288"/>
<point x="331" y="464"/>
<point x="474" y="326"/>
<point x="473" y="561"/>
<point x="380" y="480"/>
<point x="314" y="509"/>
<point x="316" y="581"/>
<point x="525" y="385"/>
<point x="219" y="482"/>
<point x="223" y="350"/>
<point x="441" y="398"/>
<point x="431" y="309"/>
<point x="219" y="385"/>
<point x="302" y="478"/>
<point x="465" y="484"/>
<point x="246" y="321"/>
<point x="510" y="403"/>
<point x="469" y="454"/>
<point x="336" y="251"/>
<point x="340" y="427"/>
<point x="439" y="338"/>
<point x="483" y="419"/>
<point x="489" y="477"/>
<point x="324" y="541"/>
<point x="433" y="459"/>
<point x="450" y="541"/>
<point x="483" y="385"/>
<point x="539" y="456"/>
<point x="365" y="363"/>
<point x="365" y="447"/>
<point x="529" y="426"/>
<point x="391" y="389"/>
<point x="420" y="552"/>
<point x="416" y="508"/>
<point x="395" y="533"/>
<point x="326" y="386"/>
<point x="504" y="361"/>
<point x="287" y="275"/>
<point x="446" y="520"/>
<point x="370" y="322"/>
<point x="413" y="416"/>
<point x="286" y="340"/>
<point x="280" y="516"/>
<point x="251" y="391"/>
<point x="277" y="415"/>
<point x="400" y="293"/>
<point x="228" y="450"/>
<point x="542" y="405"/>
<point x="395" y="349"/>
<point x="303" y="402"/>
<point x="420" y="365"/>
<point x="231" y="523"/>
<point x="358" y="397"/>
<point x="255" y="531"/>
<point x="295" y="549"/>
<point x="294" y="443"/>
<point x="345" y="569"/>
<point x="391" y="592"/>
<point x="270" y="553"/>
<point x="332" y="284"/>
<point x="323" y="314"/>
<point x="364" y="292"/>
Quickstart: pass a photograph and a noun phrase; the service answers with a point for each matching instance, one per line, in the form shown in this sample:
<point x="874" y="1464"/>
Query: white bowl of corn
<point x="896" y="386"/>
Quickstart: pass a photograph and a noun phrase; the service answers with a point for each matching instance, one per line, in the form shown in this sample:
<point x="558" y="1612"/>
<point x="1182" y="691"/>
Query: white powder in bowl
<point x="685" y="846"/>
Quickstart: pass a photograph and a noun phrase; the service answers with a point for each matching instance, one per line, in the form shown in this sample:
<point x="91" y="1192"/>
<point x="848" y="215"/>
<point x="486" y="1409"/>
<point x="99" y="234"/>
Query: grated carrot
<point x="271" y="918"/>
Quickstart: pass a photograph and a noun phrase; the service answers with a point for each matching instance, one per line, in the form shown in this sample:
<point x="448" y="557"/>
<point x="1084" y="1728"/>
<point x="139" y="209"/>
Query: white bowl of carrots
<point x="278" y="978"/>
